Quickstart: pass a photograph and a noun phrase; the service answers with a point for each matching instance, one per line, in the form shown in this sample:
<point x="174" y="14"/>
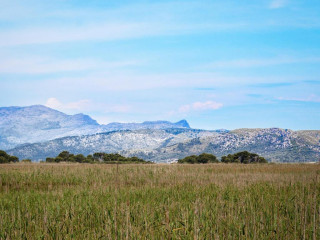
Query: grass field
<point x="215" y="201"/>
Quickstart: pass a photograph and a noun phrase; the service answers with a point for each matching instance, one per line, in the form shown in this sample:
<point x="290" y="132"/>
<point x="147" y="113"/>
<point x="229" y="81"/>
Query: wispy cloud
<point x="278" y="4"/>
<point x="107" y="32"/>
<point x="98" y="82"/>
<point x="110" y="31"/>
<point x="314" y="82"/>
<point x="36" y="25"/>
<point x="200" y="106"/>
<point x="85" y="105"/>
<point x="273" y="85"/>
<point x="263" y="62"/>
<point x="78" y="105"/>
<point x="129" y="21"/>
<point x="310" y="98"/>
<point x="40" y="65"/>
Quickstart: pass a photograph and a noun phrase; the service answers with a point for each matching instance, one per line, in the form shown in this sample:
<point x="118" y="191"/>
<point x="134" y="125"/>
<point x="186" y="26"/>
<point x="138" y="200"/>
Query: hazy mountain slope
<point x="146" y="125"/>
<point x="146" y="139"/>
<point x="156" y="141"/>
<point x="277" y="145"/>
<point x="38" y="123"/>
<point x="19" y="125"/>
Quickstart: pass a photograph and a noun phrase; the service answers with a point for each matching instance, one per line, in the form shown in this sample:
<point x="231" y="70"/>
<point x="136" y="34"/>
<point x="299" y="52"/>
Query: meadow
<point x="154" y="201"/>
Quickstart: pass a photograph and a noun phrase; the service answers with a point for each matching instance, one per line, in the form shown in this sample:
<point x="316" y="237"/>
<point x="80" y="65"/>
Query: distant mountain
<point x="110" y="142"/>
<point x="20" y="125"/>
<point x="38" y="132"/>
<point x="277" y="145"/>
<point x="146" y="125"/>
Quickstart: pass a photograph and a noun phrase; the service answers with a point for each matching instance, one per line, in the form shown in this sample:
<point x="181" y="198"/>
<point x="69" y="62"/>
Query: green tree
<point x="64" y="155"/>
<point x="3" y="159"/>
<point x="207" y="158"/>
<point x="58" y="159"/>
<point x="6" y="158"/>
<point x="80" y="158"/>
<point x="189" y="159"/>
<point x="98" y="156"/>
<point x="13" y="159"/>
<point x="49" y="159"/>
<point x="90" y="159"/>
<point x="244" y="157"/>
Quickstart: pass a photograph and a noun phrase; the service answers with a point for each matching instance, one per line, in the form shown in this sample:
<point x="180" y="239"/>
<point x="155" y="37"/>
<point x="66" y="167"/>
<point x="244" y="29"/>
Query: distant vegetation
<point x="243" y="157"/>
<point x="26" y="161"/>
<point x="65" y="156"/>
<point x="100" y="157"/>
<point x="240" y="157"/>
<point x="202" y="158"/>
<point x="6" y="158"/>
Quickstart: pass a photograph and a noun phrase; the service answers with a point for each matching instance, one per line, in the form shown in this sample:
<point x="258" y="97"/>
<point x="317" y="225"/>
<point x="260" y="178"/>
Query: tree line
<point x="244" y="157"/>
<point x="99" y="157"/>
<point x="240" y="157"/>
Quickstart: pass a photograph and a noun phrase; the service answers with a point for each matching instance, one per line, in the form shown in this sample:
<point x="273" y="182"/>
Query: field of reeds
<point x="212" y="201"/>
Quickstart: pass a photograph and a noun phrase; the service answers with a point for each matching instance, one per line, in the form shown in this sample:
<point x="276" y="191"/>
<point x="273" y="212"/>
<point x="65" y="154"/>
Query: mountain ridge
<point x="38" y="132"/>
<point x="163" y="145"/>
<point x="38" y="123"/>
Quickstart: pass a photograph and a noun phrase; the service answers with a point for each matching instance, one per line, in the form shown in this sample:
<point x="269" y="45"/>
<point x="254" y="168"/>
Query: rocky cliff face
<point x="110" y="142"/>
<point x="277" y="145"/>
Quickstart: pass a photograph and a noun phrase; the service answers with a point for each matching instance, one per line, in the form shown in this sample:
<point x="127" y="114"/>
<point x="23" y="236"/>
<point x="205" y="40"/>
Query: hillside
<point x="276" y="145"/>
<point x="110" y="142"/>
<point x="20" y="125"/>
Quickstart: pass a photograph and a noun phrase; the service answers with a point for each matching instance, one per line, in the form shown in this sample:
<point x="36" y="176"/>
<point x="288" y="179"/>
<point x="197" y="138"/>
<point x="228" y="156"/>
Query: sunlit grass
<point x="215" y="201"/>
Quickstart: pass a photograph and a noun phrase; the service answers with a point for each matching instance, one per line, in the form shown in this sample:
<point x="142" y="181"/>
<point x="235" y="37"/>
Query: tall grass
<point x="216" y="201"/>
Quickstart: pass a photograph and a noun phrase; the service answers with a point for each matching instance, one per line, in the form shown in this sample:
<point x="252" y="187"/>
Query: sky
<point x="217" y="64"/>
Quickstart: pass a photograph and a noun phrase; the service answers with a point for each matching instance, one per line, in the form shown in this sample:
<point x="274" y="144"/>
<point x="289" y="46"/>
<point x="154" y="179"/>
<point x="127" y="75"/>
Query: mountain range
<point x="37" y="132"/>
<point x="21" y="125"/>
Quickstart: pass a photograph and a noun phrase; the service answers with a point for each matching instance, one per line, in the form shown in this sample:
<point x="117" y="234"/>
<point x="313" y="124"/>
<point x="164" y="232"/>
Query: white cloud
<point x="278" y="4"/>
<point x="78" y="105"/>
<point x="200" y="106"/>
<point x="86" y="105"/>
<point x="40" y="65"/>
<point x="53" y="103"/>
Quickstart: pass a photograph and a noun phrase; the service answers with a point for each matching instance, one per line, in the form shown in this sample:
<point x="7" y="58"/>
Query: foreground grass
<point x="217" y="201"/>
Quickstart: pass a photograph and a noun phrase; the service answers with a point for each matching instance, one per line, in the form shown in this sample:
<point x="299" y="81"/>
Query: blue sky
<point x="218" y="64"/>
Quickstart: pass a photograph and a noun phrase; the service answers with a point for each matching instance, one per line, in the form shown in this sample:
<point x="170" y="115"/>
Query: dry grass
<point x="216" y="201"/>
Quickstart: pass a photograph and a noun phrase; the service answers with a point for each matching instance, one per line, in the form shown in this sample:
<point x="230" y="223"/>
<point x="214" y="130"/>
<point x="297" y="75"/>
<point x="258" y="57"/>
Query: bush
<point x="6" y="158"/>
<point x="202" y="158"/>
<point x="48" y="159"/>
<point x="243" y="157"/>
<point x="26" y="161"/>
